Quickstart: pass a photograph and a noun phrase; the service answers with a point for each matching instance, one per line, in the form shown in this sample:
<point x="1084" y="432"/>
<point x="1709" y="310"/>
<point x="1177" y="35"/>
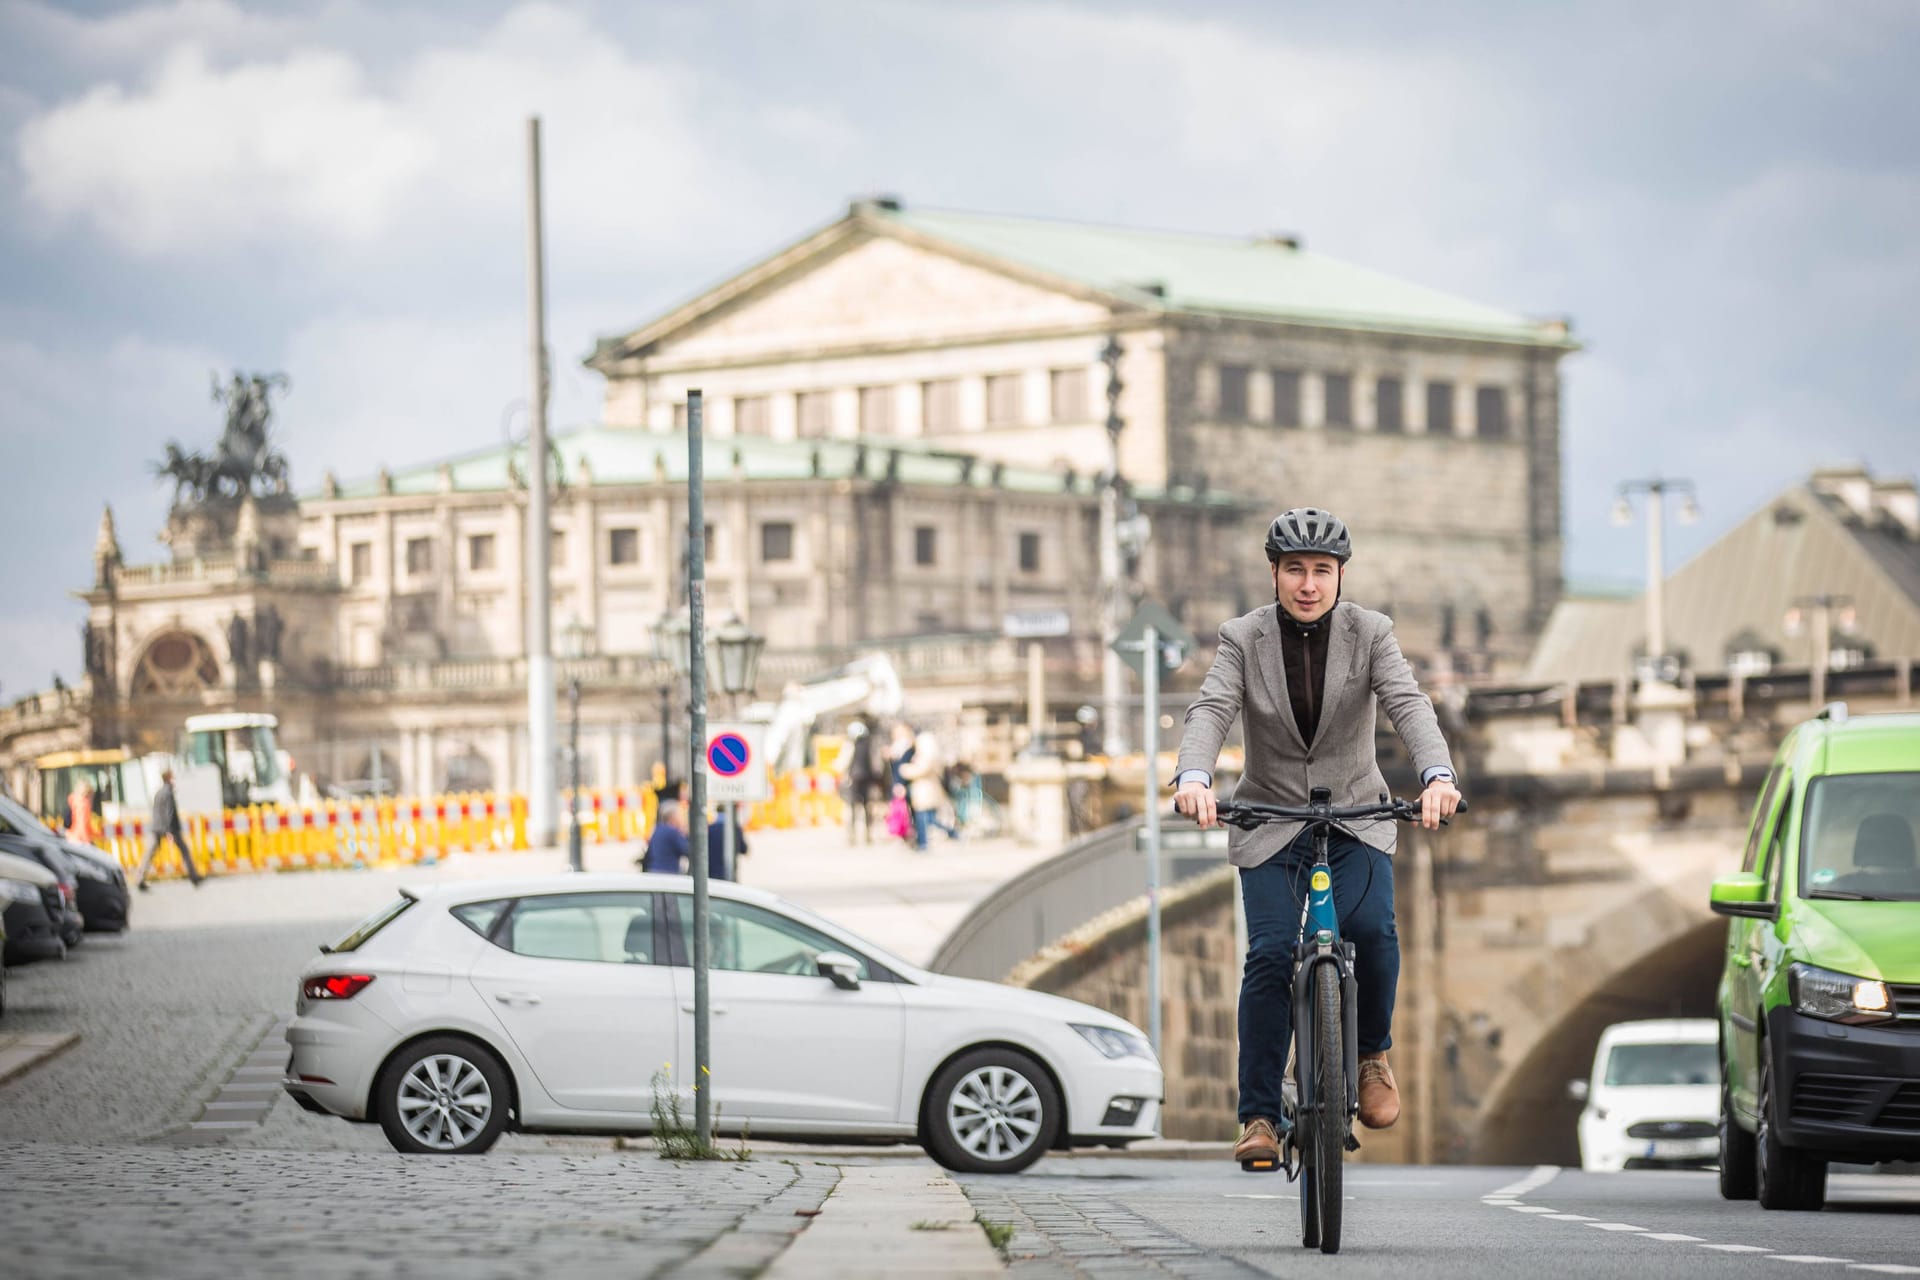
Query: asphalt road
<point x="1084" y="1217"/>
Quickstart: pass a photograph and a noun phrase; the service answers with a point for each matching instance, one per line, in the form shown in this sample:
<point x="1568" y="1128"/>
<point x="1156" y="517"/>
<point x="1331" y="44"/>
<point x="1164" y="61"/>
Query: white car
<point x="565" y="1004"/>
<point x="1654" y="1096"/>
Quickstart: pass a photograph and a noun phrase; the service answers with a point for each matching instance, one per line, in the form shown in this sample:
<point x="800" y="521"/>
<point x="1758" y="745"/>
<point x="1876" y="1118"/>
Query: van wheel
<point x="445" y="1095"/>
<point x="1738" y="1177"/>
<point x="990" y="1111"/>
<point x="1787" y="1179"/>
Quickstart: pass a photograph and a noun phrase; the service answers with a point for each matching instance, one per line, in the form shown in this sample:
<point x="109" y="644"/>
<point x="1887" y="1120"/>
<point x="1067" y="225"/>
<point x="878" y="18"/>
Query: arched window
<point x="175" y="663"/>
<point x="469" y="771"/>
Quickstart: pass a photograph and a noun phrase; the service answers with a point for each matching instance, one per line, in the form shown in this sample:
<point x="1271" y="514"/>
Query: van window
<point x="1859" y="837"/>
<point x="1777" y="840"/>
<point x="1762" y="810"/>
<point x="1663" y="1064"/>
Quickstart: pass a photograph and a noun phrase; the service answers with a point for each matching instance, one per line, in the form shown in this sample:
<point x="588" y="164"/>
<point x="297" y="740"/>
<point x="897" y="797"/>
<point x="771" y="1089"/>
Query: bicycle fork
<point x="1320" y="944"/>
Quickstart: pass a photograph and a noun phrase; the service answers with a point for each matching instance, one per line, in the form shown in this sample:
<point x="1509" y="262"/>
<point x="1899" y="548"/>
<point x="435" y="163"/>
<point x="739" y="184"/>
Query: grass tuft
<point x="674" y="1138"/>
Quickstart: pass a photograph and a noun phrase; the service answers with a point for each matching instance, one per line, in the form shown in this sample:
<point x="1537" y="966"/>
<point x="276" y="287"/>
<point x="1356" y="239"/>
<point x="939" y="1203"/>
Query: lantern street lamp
<point x="574" y="641"/>
<point x="1819" y="615"/>
<point x="1655" y="664"/>
<point x="670" y="634"/>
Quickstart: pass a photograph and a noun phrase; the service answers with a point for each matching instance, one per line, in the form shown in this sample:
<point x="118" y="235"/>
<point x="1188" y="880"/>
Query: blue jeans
<point x="1273" y="892"/>
<point x="925" y="818"/>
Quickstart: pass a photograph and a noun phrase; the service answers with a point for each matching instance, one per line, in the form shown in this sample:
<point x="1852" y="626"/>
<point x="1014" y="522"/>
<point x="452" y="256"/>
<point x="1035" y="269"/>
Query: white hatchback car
<point x="565" y="1004"/>
<point x="1654" y="1097"/>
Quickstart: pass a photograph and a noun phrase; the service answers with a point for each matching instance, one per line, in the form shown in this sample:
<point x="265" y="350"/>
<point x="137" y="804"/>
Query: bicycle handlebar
<point x="1247" y="815"/>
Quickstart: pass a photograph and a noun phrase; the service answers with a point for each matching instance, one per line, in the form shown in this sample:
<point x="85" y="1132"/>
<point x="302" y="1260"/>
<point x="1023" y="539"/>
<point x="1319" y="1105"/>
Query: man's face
<point x="1307" y="585"/>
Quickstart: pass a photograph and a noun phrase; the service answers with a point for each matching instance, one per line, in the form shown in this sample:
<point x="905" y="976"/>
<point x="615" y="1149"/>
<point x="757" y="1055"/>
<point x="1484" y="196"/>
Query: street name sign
<point x="736" y="762"/>
<point x="1035" y="624"/>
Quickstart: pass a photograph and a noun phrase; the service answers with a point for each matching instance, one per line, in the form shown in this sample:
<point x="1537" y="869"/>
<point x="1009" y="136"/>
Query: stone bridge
<point x="1574" y="897"/>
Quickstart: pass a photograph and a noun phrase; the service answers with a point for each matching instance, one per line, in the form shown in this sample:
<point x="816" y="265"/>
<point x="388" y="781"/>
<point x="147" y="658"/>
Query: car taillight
<point x="335" y="986"/>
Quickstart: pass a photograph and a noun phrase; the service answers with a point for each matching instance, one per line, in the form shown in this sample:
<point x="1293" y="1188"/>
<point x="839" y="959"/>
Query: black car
<point x="34" y="842"/>
<point x="31" y="900"/>
<point x="100" y="885"/>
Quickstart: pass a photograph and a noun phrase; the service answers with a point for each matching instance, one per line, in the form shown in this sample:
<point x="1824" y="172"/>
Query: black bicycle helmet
<point x="1310" y="531"/>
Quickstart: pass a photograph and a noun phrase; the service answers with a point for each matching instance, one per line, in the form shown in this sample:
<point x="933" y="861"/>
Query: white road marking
<point x="1614" y="1226"/>
<point x="1566" y="1217"/>
<point x="1672" y="1237"/>
<point x="1803" y="1257"/>
<point x="1886" y="1268"/>
<point x="1540" y="1177"/>
<point x="1737" y="1248"/>
<point x="1529" y="1208"/>
<point x="1255" y="1195"/>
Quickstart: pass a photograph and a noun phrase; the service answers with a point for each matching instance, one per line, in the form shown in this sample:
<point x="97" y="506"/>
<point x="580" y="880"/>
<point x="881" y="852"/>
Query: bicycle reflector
<point x="335" y="986"/>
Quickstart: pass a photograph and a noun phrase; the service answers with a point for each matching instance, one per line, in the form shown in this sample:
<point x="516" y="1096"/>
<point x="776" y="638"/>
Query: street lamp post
<point x="670" y="647"/>
<point x="1826" y="609"/>
<point x="739" y="647"/>
<point x="1655" y="666"/>
<point x="1112" y="676"/>
<point x="576" y="649"/>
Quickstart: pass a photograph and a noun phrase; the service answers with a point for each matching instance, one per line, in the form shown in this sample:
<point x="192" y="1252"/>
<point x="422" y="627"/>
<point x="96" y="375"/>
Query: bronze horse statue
<point x="244" y="461"/>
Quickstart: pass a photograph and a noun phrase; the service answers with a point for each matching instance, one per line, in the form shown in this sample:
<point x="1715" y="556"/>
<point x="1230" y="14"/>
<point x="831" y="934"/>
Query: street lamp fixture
<point x="1820" y="616"/>
<point x="574" y="644"/>
<point x="1655" y="666"/>
<point x="740" y="648"/>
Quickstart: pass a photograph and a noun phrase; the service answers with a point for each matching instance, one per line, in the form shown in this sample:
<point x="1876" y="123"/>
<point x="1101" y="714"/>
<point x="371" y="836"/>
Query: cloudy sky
<point x="1723" y="196"/>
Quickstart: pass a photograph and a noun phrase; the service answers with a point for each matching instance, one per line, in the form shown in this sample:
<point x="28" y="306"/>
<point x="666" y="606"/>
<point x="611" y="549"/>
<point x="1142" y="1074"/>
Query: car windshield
<point x="1663" y="1064"/>
<point x="1858" y="838"/>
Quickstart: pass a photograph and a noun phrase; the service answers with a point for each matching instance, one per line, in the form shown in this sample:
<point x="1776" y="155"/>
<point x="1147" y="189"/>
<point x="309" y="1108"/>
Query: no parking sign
<point x="736" y="762"/>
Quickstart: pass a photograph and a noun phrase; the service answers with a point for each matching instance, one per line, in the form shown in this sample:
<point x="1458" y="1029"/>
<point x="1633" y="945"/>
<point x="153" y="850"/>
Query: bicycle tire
<point x="1330" y="1091"/>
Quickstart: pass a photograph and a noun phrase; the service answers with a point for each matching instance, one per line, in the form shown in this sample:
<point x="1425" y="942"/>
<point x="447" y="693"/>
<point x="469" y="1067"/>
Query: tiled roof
<point x="620" y="456"/>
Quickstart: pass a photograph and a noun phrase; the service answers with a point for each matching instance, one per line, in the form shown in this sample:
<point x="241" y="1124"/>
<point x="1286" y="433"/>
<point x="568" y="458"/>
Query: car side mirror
<point x="1743" y="893"/>
<point x="1577" y="1090"/>
<point x="842" y="968"/>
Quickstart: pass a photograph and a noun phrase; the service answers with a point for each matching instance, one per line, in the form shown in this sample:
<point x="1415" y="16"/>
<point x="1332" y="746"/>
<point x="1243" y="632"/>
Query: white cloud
<point x="311" y="147"/>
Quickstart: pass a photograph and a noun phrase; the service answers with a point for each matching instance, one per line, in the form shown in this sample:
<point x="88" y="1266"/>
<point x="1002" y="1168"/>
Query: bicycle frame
<point x="1320" y="944"/>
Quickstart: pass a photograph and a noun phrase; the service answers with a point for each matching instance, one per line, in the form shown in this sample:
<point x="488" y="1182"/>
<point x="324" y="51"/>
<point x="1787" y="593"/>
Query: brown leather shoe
<point x="1379" y="1095"/>
<point x="1258" y="1150"/>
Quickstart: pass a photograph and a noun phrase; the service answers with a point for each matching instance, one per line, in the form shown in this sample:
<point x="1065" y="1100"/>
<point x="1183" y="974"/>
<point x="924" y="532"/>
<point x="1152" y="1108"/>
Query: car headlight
<point x="1114" y="1044"/>
<point x="1839" y="997"/>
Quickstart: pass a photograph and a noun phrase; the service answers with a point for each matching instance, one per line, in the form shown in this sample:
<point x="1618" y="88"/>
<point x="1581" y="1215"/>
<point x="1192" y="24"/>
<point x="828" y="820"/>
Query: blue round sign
<point x="728" y="754"/>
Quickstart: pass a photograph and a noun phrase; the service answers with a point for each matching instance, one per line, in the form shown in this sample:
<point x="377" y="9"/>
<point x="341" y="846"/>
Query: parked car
<point x="565" y="1004"/>
<point x="32" y="906"/>
<point x="35" y="842"/>
<point x="1653" y="1097"/>
<point x="1820" y="993"/>
<point x="100" y="884"/>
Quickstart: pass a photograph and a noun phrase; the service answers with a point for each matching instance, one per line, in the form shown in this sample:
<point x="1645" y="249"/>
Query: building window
<point x="1029" y="553"/>
<point x="680" y="416"/>
<point x="1440" y="407"/>
<point x="360" y="561"/>
<point x="557" y="548"/>
<point x="1490" y="412"/>
<point x="1339" y="409"/>
<point x="876" y="411"/>
<point x="623" y="546"/>
<point x="1067" y="395"/>
<point x="1233" y="392"/>
<point x="1389" y="405"/>
<point x="753" y="415"/>
<point x="776" y="541"/>
<point x="813" y="414"/>
<point x="1003" y="400"/>
<point x="1286" y="397"/>
<point x="480" y="552"/>
<point x="940" y="405"/>
<point x="419" y="556"/>
<point x="923" y="544"/>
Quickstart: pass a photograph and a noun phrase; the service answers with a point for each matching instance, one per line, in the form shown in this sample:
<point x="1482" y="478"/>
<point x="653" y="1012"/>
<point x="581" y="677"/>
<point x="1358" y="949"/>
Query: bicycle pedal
<point x="1260" y="1164"/>
<point x="1353" y="1143"/>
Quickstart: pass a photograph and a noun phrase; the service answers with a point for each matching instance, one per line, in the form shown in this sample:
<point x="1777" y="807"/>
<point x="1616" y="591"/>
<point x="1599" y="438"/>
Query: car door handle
<point x="716" y="1009"/>
<point x="517" y="997"/>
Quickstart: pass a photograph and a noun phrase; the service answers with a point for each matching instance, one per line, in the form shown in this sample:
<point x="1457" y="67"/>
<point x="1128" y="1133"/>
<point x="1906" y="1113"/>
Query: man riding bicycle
<point x="1305" y="672"/>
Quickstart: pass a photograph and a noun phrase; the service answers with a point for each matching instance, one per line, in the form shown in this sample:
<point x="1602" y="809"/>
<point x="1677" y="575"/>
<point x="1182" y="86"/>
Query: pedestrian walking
<point x="667" y="848"/>
<point x="924" y="770"/>
<point x="166" y="825"/>
<point x="717" y="868"/>
<point x="81" y="823"/>
<point x="863" y="783"/>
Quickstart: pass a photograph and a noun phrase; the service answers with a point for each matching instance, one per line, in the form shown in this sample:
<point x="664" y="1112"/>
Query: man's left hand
<point x="1438" y="802"/>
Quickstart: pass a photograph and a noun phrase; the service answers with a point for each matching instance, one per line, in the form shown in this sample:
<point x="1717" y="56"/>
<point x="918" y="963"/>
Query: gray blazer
<point x="1248" y="677"/>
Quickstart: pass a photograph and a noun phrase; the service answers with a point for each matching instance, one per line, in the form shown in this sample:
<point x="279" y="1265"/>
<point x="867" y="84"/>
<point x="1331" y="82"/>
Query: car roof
<point x="1879" y="743"/>
<point x="459" y="891"/>
<point x="1662" y="1031"/>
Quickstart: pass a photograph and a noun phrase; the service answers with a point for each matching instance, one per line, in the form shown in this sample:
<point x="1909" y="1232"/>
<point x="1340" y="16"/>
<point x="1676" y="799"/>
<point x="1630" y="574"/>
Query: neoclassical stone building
<point x="906" y="416"/>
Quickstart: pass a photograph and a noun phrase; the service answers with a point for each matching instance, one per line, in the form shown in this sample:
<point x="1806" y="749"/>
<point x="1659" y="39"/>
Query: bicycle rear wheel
<point x="1330" y="1091"/>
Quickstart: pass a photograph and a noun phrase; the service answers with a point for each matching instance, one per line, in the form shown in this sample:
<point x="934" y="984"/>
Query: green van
<point x="1820" y="993"/>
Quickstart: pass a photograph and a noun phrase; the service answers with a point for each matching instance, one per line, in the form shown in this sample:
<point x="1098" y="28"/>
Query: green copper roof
<point x="623" y="456"/>
<point x="1268" y="279"/>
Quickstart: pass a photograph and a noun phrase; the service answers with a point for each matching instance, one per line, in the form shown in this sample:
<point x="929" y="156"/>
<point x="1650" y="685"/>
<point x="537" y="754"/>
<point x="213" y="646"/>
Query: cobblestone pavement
<point x="100" y="1210"/>
<point x="1063" y="1233"/>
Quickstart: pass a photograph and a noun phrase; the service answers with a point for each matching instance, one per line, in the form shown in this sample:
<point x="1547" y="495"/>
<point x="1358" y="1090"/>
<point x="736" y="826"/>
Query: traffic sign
<point x="1035" y="624"/>
<point x="736" y="762"/>
<point x="1176" y="642"/>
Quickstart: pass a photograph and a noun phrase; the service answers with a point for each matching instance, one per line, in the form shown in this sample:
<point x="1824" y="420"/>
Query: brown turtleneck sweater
<point x="1304" y="655"/>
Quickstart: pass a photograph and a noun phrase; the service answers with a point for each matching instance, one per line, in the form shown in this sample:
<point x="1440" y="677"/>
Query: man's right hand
<point x="1195" y="799"/>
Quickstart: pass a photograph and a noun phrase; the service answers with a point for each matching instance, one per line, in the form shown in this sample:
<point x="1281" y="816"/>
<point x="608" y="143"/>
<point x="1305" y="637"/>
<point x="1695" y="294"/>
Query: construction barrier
<point x="391" y="831"/>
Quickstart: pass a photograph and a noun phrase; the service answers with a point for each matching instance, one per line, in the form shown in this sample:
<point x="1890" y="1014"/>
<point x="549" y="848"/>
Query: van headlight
<point x="1838" y="997"/>
<point x="1114" y="1044"/>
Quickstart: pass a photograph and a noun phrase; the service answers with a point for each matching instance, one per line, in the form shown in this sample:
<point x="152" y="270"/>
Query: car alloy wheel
<point x="991" y="1111"/>
<point x="443" y="1096"/>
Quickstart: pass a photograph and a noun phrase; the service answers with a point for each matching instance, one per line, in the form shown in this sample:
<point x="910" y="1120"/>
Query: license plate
<point x="1683" y="1148"/>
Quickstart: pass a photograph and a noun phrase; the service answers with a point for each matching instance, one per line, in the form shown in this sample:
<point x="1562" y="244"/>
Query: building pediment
<point x="862" y="283"/>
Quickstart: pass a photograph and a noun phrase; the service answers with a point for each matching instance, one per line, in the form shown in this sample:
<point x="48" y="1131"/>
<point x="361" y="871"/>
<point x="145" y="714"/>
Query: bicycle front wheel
<point x="1330" y="1091"/>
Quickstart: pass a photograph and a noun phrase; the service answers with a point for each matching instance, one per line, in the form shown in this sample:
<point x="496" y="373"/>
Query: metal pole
<point x="1822" y="650"/>
<point x="540" y="785"/>
<point x="1656" y="576"/>
<point x="731" y="816"/>
<point x="696" y="743"/>
<point x="1113" y="679"/>
<point x="666" y="725"/>
<point x="574" y="862"/>
<point x="1036" y="698"/>
<point x="1150" y="741"/>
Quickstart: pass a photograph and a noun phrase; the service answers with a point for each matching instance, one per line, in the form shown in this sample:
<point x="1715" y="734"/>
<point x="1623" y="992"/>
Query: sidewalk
<point x="903" y="901"/>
